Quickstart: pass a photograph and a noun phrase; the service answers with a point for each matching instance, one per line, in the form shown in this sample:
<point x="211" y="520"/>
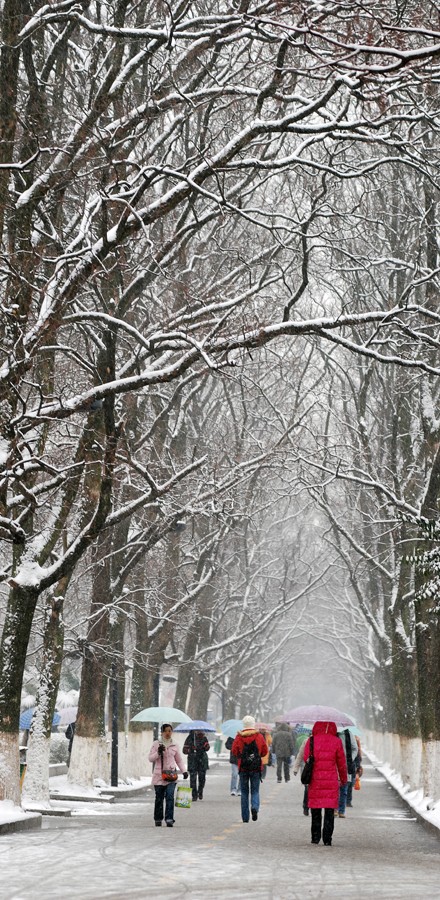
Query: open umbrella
<point x="353" y="728"/>
<point x="194" y="725"/>
<point x="26" y="718"/>
<point x="161" y="714"/>
<point x="67" y="715"/>
<point x="231" y="727"/>
<point x="317" y="713"/>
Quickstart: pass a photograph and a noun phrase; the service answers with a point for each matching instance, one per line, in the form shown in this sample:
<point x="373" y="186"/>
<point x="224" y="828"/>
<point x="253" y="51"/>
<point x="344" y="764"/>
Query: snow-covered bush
<point x="58" y="748"/>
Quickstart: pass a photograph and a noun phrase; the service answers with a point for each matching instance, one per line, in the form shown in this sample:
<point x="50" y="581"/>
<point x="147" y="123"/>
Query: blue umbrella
<point x="26" y="718"/>
<point x="231" y="727"/>
<point x="194" y="725"/>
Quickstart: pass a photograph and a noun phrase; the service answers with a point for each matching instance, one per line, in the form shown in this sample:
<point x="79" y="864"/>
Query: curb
<point x="433" y="829"/>
<point x="23" y="824"/>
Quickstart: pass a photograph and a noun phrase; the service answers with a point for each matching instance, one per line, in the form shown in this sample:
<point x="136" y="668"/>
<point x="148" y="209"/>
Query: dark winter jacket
<point x="196" y="747"/>
<point x="246" y="737"/>
<point x="351" y="750"/>
<point x="228" y="745"/>
<point x="283" y="744"/>
<point x="329" y="763"/>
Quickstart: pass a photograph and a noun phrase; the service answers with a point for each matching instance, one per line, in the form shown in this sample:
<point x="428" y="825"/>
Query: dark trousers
<point x="165" y="792"/>
<point x="283" y="763"/>
<point x="327" y="830"/>
<point x="306" y="797"/>
<point x="197" y="781"/>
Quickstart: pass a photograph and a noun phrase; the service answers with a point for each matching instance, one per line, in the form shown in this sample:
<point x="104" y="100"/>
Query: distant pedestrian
<point x="299" y="765"/>
<point x="328" y="769"/>
<point x="235" y="779"/>
<point x="249" y="747"/>
<point x="266" y="760"/>
<point x="166" y="755"/>
<point x="196" y="748"/>
<point x="283" y="746"/>
<point x="358" y="771"/>
<point x="70" y="734"/>
<point x="350" y="749"/>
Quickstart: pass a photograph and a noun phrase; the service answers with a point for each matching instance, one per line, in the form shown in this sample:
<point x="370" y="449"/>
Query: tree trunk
<point x="428" y="628"/>
<point x="89" y="750"/>
<point x="15" y="639"/>
<point x="36" y="782"/>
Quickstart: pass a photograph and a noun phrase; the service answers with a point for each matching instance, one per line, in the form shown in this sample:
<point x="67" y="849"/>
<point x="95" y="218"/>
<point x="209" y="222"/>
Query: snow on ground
<point x="59" y="784"/>
<point x="425" y="807"/>
<point x="9" y="812"/>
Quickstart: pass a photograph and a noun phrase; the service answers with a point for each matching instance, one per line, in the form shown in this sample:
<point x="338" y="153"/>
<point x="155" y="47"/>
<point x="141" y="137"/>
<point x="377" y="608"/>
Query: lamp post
<point x="114" y="762"/>
<point x="156" y="691"/>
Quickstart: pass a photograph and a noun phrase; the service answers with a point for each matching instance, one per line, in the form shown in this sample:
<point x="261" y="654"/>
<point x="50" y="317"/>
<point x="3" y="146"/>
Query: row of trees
<point x="218" y="278"/>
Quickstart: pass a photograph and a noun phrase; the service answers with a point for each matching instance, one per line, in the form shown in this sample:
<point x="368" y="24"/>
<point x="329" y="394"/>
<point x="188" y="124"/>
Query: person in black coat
<point x="70" y="734"/>
<point x="196" y="748"/>
<point x="235" y="779"/>
<point x="283" y="746"/>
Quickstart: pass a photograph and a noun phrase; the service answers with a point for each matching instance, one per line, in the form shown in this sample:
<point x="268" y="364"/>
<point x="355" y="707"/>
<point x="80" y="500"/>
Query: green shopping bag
<point x="183" y="796"/>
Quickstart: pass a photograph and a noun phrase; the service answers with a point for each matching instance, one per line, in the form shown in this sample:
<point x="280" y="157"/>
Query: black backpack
<point x="250" y="758"/>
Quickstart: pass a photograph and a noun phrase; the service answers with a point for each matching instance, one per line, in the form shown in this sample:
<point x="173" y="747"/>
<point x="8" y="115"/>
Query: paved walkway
<point x="114" y="851"/>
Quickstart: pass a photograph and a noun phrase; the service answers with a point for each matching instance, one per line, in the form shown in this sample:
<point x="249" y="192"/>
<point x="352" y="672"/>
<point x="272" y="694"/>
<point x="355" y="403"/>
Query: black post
<point x="156" y="684"/>
<point x="114" y="765"/>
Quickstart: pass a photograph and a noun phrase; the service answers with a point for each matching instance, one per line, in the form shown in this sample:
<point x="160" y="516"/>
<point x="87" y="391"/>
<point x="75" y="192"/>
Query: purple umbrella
<point x="316" y="713"/>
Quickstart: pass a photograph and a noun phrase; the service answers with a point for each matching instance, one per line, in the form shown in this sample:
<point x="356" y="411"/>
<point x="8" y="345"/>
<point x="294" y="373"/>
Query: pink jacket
<point x="329" y="767"/>
<point x="172" y="758"/>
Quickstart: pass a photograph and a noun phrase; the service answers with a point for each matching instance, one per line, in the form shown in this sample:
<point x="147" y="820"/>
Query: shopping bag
<point x="357" y="783"/>
<point x="183" y="796"/>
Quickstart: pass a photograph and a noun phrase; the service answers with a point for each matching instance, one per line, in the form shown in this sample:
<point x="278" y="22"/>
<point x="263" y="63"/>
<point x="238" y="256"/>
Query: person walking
<point x="196" y="748"/>
<point x="299" y="765"/>
<point x="350" y="748"/>
<point x="266" y="760"/>
<point x="329" y="768"/>
<point x="358" y="771"/>
<point x="235" y="780"/>
<point x="165" y="755"/>
<point x="249" y="747"/>
<point x="283" y="746"/>
<point x="70" y="734"/>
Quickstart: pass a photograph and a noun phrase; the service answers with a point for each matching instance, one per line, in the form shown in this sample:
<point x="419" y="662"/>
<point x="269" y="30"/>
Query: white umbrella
<point x="67" y="715"/>
<point x="161" y="714"/>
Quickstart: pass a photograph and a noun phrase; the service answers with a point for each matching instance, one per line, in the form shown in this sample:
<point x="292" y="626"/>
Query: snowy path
<point x="379" y="850"/>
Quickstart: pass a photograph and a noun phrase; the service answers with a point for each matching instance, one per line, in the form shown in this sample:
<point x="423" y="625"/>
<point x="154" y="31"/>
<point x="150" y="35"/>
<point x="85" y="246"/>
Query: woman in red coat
<point x="329" y="769"/>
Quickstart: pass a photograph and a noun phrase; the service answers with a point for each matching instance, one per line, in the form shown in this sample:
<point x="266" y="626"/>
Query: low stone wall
<point x="57" y="769"/>
<point x="417" y="762"/>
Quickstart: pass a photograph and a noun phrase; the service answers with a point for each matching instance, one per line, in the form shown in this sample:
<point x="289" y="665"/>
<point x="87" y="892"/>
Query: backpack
<point x="250" y="758"/>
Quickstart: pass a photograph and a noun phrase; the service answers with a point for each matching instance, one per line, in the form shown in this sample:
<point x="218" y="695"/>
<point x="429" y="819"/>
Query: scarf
<point x="166" y="741"/>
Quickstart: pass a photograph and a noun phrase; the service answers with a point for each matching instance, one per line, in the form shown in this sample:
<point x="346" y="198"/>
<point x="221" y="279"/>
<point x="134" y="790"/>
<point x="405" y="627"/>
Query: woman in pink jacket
<point x="329" y="769"/>
<point x="165" y="754"/>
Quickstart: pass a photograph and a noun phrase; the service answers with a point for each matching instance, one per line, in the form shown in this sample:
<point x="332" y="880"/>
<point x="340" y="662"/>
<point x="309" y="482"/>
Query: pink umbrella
<point x="315" y="713"/>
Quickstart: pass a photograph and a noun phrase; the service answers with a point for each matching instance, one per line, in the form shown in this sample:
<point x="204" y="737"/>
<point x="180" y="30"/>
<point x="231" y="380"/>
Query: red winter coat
<point x="246" y="737"/>
<point x="329" y="763"/>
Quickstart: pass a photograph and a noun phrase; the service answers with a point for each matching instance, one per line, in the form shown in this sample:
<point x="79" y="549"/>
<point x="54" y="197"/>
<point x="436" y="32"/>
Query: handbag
<point x="167" y="774"/>
<point x="306" y="774"/>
